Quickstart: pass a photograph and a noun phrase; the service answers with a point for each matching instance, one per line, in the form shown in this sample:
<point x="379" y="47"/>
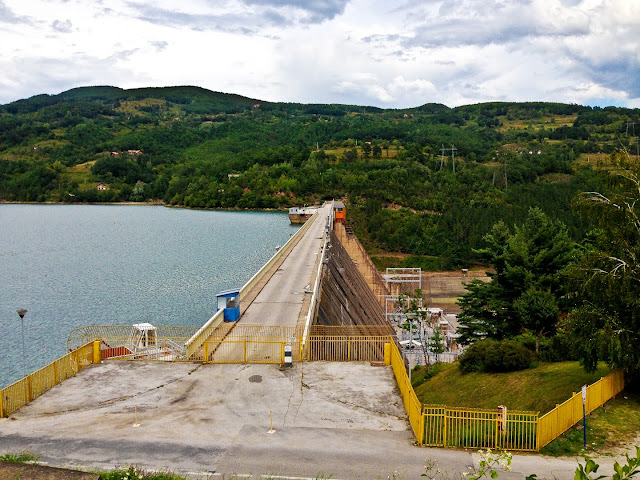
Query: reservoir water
<point x="77" y="265"/>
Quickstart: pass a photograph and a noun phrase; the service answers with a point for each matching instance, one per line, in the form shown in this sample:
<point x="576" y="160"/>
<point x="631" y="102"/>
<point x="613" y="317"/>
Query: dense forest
<point x="428" y="181"/>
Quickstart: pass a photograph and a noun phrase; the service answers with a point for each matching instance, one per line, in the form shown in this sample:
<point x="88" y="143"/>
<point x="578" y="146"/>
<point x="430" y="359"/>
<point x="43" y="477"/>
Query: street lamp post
<point x="22" y="312"/>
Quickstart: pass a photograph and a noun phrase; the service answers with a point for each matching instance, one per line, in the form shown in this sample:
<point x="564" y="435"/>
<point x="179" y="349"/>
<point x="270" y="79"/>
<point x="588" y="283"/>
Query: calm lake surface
<point x="77" y="265"/>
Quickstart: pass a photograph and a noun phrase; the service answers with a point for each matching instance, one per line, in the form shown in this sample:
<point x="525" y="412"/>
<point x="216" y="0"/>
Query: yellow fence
<point x="479" y="428"/>
<point x="260" y="349"/>
<point x="411" y="403"/>
<point x="441" y="426"/>
<point x="194" y="345"/>
<point x="233" y="343"/>
<point x="567" y="414"/>
<point x="32" y="386"/>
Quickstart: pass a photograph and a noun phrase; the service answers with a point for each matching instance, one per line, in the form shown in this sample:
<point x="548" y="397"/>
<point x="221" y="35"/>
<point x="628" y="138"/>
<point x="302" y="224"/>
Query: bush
<point x="495" y="356"/>
<point x="559" y="348"/>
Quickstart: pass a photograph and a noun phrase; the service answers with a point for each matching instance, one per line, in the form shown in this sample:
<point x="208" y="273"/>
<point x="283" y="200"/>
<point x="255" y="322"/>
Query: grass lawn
<point x="611" y="426"/>
<point x="536" y="389"/>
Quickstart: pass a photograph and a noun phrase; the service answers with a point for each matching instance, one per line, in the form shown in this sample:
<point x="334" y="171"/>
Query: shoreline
<point x="158" y="203"/>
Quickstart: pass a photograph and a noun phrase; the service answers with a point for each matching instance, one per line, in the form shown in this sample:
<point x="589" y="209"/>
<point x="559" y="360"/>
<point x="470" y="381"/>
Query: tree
<point x="366" y="148"/>
<point x="527" y="289"/>
<point x="350" y="155"/>
<point x="436" y="342"/>
<point x="58" y="169"/>
<point x="606" y="279"/>
<point x="377" y="151"/>
<point x="385" y="145"/>
<point x="538" y="311"/>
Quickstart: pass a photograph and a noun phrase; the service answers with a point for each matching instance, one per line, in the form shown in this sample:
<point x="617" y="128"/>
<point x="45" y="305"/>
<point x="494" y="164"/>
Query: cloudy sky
<point x="379" y="52"/>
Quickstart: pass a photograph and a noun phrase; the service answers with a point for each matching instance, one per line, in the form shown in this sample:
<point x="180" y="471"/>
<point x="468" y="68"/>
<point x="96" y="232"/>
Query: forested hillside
<point x="430" y="180"/>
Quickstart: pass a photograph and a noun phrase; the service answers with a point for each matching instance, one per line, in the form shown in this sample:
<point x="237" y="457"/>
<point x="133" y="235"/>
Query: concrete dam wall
<point x="346" y="298"/>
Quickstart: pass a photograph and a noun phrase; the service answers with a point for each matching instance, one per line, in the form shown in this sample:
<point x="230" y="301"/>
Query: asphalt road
<point x="280" y="301"/>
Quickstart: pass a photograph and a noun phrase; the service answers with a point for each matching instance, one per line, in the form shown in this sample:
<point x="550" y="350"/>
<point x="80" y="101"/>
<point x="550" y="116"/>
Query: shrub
<point x="495" y="356"/>
<point x="558" y="348"/>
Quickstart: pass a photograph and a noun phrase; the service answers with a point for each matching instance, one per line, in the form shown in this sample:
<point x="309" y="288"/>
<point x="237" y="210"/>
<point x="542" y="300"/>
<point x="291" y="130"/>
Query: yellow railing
<point x="564" y="416"/>
<point x="479" y="428"/>
<point x="344" y="348"/>
<point x="194" y="344"/>
<point x="437" y="425"/>
<point x="257" y="344"/>
<point x="282" y="252"/>
<point x="32" y="386"/>
<point x="411" y="403"/>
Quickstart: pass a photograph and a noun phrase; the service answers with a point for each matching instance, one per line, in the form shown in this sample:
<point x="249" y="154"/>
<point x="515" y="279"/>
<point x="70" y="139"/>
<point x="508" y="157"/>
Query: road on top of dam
<point x="281" y="300"/>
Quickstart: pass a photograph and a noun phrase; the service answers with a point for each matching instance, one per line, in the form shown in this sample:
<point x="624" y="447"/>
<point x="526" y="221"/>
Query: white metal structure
<point x="403" y="276"/>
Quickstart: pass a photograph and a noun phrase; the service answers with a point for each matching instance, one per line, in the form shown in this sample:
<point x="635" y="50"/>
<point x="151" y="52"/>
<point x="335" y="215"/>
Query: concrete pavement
<point x="339" y="419"/>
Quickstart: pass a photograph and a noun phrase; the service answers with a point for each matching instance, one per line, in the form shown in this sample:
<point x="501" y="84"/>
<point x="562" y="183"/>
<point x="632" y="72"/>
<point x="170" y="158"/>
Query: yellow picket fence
<point x="32" y="386"/>
<point x="443" y="426"/>
<point x="240" y="343"/>
<point x="564" y="416"/>
<point x="479" y="428"/>
<point x="411" y="403"/>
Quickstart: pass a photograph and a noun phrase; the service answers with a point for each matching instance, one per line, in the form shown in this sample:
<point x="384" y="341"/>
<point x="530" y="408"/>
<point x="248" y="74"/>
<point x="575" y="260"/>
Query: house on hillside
<point x="102" y="186"/>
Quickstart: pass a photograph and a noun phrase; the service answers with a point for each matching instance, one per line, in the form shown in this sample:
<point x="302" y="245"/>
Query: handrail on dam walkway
<point x="196" y="341"/>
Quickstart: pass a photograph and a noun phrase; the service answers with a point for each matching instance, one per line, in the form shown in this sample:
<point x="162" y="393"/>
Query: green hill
<point x="428" y="180"/>
<point x="536" y="389"/>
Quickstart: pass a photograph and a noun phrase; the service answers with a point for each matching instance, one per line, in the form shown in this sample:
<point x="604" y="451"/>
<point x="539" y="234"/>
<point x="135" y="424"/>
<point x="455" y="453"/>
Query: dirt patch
<point x="24" y="471"/>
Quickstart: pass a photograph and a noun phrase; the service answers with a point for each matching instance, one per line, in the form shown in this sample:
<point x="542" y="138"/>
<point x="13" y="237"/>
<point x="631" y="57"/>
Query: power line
<point x="453" y="150"/>
<point x="633" y="130"/>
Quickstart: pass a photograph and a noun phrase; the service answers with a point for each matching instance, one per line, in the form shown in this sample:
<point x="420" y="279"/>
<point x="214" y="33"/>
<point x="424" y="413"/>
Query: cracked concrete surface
<point x="340" y="419"/>
<point x="200" y="409"/>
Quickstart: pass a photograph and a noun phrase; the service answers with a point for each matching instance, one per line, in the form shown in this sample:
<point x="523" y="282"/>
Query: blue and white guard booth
<point x="229" y="300"/>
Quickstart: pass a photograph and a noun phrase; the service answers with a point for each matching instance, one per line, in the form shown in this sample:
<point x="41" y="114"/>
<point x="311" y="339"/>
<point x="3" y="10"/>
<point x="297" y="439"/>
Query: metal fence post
<point x="96" y="351"/>
<point x="444" y="427"/>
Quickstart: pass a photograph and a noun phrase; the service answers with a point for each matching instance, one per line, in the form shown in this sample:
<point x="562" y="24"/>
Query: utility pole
<point x="633" y="129"/>
<point x="453" y="156"/>
<point x="453" y="150"/>
<point x="505" y="174"/>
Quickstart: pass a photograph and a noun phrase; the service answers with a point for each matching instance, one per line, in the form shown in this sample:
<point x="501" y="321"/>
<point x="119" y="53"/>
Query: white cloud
<point x="329" y="51"/>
